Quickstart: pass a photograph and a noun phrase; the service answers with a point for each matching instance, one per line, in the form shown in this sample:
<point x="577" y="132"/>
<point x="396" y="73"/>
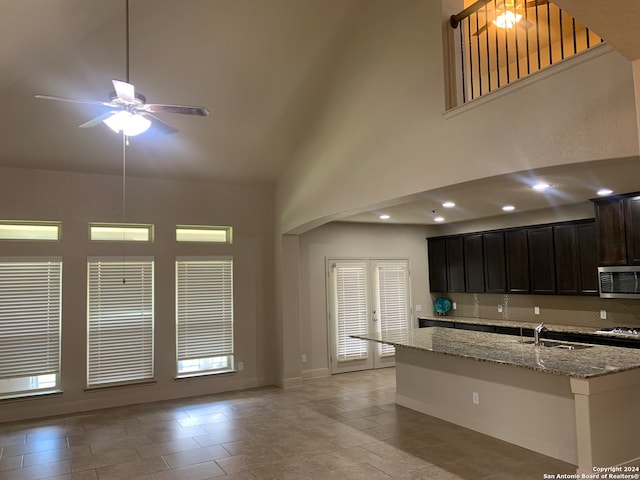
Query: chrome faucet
<point x="540" y="329"/>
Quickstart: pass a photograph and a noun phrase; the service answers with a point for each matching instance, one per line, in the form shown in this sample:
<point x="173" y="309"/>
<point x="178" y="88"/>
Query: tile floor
<point x="342" y="427"/>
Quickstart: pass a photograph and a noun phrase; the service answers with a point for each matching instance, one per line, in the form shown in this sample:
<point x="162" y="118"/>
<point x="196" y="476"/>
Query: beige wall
<point x="345" y="240"/>
<point x="76" y="199"/>
<point x="381" y="133"/>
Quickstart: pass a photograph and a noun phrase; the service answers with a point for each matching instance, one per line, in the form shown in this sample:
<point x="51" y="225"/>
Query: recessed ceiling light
<point x="603" y="192"/>
<point x="541" y="186"/>
<point x="448" y="204"/>
<point x="439" y="219"/>
<point x="508" y="208"/>
<point x="385" y="217"/>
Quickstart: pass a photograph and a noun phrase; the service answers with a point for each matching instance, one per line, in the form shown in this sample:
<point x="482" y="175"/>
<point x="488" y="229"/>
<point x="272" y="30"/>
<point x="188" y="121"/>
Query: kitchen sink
<point x="559" y="345"/>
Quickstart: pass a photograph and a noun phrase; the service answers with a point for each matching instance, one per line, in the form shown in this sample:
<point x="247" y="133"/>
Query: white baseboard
<point x="315" y="373"/>
<point x="292" y="382"/>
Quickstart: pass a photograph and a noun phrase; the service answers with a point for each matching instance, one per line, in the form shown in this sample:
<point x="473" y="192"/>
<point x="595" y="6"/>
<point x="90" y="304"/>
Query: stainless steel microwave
<point x="619" y="282"/>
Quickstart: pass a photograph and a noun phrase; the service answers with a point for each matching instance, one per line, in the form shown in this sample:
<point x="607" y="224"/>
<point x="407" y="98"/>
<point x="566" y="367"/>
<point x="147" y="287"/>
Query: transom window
<point x="30" y="230"/>
<point x="121" y="232"/>
<point x="203" y="233"/>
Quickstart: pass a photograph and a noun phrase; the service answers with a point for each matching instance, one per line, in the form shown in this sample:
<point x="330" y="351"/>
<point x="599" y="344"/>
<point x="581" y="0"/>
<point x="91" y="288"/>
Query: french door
<point x="365" y="297"/>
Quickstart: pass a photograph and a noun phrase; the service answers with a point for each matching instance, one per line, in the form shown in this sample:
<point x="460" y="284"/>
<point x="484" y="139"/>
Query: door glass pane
<point x="351" y="315"/>
<point x="392" y="299"/>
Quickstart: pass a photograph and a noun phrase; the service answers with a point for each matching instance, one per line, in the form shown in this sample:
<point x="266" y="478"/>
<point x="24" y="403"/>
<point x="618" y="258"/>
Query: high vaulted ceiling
<point x="257" y="65"/>
<point x="261" y="67"/>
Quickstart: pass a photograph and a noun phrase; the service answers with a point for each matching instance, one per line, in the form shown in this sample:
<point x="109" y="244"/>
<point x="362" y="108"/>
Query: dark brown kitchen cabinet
<point x="517" y="257"/>
<point x="618" y="229"/>
<point x="610" y="231"/>
<point x="587" y="258"/>
<point x="495" y="274"/>
<point x="437" y="264"/>
<point x="566" y="257"/>
<point x="632" y="228"/>
<point x="474" y="263"/>
<point x="455" y="264"/>
<point x="542" y="269"/>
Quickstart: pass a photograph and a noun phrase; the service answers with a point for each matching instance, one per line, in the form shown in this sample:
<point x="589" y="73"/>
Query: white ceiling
<point x="260" y="67"/>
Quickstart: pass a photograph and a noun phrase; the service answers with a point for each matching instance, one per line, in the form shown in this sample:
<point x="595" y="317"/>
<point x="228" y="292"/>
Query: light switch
<point x="536" y="310"/>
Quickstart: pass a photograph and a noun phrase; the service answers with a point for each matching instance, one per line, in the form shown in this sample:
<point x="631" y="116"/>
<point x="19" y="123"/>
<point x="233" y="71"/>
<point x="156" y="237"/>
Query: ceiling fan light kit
<point x="130" y="124"/>
<point x="507" y="19"/>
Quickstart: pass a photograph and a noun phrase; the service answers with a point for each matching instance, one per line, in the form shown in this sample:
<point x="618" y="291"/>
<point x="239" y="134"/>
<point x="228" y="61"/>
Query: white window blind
<point x="352" y="311"/>
<point x="204" y="310"/>
<point x="120" y="320"/>
<point x="30" y="318"/>
<point x="393" y="299"/>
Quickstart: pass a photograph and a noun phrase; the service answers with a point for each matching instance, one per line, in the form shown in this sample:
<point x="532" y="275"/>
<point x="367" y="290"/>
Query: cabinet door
<point x="495" y="275"/>
<point x="455" y="264"/>
<point x="566" y="259"/>
<point x="587" y="258"/>
<point x="436" y="252"/>
<point x="474" y="263"/>
<point x="517" y="257"/>
<point x="610" y="232"/>
<point x="542" y="268"/>
<point x="632" y="227"/>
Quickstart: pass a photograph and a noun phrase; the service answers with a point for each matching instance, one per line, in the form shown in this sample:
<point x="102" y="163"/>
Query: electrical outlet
<point x="455" y="306"/>
<point x="499" y="308"/>
<point x="603" y="314"/>
<point x="476" y="398"/>
<point x="536" y="310"/>
<point x="418" y="308"/>
<point x="240" y="366"/>
<point x="304" y="358"/>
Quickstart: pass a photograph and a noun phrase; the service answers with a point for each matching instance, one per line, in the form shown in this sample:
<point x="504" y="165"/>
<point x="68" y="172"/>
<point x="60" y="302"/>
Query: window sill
<point x="29" y="395"/>
<point x="188" y="376"/>
<point x="112" y="386"/>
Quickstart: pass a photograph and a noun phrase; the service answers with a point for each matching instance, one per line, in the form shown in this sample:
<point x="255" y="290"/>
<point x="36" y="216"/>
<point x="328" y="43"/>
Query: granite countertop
<point x="597" y="360"/>
<point x="531" y="325"/>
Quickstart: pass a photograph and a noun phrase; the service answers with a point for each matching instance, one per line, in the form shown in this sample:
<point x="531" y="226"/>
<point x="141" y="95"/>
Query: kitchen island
<point x="580" y="405"/>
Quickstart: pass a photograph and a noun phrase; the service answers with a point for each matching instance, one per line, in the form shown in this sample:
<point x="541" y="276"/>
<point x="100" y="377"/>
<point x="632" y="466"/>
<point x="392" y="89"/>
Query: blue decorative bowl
<point x="442" y="305"/>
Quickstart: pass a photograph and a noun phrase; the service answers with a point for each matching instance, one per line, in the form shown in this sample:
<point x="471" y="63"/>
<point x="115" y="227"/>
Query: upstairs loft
<point x="495" y="43"/>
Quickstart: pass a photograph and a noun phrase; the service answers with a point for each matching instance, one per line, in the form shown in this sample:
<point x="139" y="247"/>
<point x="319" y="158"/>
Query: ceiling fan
<point x="128" y="111"/>
<point x="509" y="14"/>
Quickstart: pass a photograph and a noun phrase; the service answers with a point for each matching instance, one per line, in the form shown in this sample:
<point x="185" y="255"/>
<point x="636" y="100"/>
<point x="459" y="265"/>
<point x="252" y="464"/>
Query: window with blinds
<point x="120" y="320"/>
<point x="393" y="302"/>
<point x="204" y="315"/>
<point x="351" y="305"/>
<point x="30" y="325"/>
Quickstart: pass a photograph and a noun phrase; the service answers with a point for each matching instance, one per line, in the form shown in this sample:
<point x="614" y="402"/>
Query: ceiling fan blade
<point x="160" y="125"/>
<point x="125" y="91"/>
<point x="96" y="121"/>
<point x="86" y="102"/>
<point x="183" y="109"/>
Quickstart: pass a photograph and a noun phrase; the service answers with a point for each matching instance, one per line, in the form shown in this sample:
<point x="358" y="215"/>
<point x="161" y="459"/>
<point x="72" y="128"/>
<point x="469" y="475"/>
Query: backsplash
<point x="554" y="309"/>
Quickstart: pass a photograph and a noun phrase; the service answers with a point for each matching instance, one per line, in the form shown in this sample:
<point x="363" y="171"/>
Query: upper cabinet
<point x="543" y="259"/>
<point x="575" y="259"/>
<point x="495" y="273"/>
<point x="474" y="263"/>
<point x="437" y="255"/>
<point x="455" y="264"/>
<point x="542" y="269"/>
<point x="517" y="255"/>
<point x="617" y="230"/>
